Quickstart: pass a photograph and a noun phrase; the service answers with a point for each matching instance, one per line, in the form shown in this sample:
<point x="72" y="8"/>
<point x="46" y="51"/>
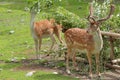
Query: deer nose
<point x="87" y="31"/>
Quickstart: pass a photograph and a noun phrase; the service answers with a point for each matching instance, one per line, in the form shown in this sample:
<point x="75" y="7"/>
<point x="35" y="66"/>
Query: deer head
<point x="57" y="27"/>
<point x="94" y="24"/>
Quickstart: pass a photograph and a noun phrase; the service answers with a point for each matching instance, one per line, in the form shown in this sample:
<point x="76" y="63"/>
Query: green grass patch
<point x="39" y="75"/>
<point x="20" y="39"/>
<point x="8" y="66"/>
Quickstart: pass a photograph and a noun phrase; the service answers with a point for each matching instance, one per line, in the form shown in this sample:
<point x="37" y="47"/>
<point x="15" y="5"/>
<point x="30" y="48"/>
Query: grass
<point x="20" y="40"/>
<point x="38" y="76"/>
<point x="8" y="73"/>
<point x="20" y="43"/>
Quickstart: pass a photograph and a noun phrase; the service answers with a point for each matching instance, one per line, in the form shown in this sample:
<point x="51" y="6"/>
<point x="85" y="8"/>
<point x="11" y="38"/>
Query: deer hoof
<point x="68" y="71"/>
<point x="77" y="69"/>
<point x="90" y="76"/>
<point x="99" y="75"/>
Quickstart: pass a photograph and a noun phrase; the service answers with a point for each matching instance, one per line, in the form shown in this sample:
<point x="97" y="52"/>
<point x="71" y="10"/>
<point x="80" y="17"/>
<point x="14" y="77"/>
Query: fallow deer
<point x="43" y="28"/>
<point x="87" y="41"/>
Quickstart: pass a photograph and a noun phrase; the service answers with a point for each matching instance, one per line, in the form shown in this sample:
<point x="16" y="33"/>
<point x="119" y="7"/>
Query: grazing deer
<point x="43" y="28"/>
<point x="89" y="41"/>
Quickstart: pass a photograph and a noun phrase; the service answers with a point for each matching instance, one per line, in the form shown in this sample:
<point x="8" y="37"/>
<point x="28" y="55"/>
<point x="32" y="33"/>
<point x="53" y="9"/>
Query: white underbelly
<point x="98" y="46"/>
<point x="43" y="36"/>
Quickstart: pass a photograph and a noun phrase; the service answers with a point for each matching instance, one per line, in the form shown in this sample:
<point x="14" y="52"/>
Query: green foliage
<point x="112" y="24"/>
<point x="101" y="9"/>
<point x="39" y="5"/>
<point x="68" y="19"/>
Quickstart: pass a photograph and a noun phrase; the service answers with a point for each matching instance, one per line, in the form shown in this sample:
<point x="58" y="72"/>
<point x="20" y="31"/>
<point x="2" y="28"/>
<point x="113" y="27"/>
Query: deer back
<point x="79" y="39"/>
<point x="43" y="27"/>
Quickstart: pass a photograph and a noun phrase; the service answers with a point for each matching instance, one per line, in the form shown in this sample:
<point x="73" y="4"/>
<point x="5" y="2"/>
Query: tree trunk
<point x="112" y="48"/>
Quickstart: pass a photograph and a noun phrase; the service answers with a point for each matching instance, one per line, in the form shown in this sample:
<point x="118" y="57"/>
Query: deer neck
<point x="98" y="40"/>
<point x="32" y="21"/>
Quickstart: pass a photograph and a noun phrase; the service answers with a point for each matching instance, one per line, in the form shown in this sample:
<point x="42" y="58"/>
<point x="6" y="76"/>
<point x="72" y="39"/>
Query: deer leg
<point x="37" y="48"/>
<point x="67" y="61"/>
<point x="97" y="64"/>
<point x="40" y="40"/>
<point x="53" y="41"/>
<point x="74" y="61"/>
<point x="61" y="41"/>
<point x="59" y="37"/>
<point x="90" y="64"/>
<point x="58" y="34"/>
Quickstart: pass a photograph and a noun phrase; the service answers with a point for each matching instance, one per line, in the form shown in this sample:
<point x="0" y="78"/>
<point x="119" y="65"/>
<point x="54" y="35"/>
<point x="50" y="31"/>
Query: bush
<point x="40" y="5"/>
<point x="68" y="19"/>
<point x="112" y="25"/>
